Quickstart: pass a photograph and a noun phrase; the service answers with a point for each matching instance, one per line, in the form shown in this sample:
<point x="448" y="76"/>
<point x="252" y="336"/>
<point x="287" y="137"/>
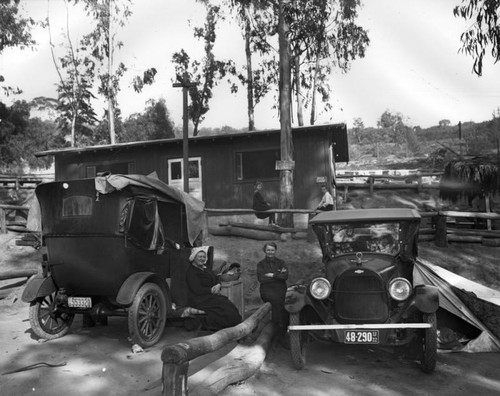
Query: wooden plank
<point x="474" y="215"/>
<point x="11" y="274"/>
<point x="245" y="233"/>
<point x="246" y="211"/>
<point x="263" y="227"/>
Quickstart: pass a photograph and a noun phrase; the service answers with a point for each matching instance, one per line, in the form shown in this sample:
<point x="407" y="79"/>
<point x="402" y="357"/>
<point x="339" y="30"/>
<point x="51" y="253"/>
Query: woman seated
<point x="204" y="293"/>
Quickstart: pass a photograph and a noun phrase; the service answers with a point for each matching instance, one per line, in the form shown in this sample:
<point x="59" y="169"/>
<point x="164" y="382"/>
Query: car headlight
<point x="320" y="288"/>
<point x="400" y="289"/>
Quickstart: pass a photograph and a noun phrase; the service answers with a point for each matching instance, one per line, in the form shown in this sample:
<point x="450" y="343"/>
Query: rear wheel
<point x="429" y="344"/>
<point x="297" y="343"/>
<point x="147" y="315"/>
<point x="46" y="320"/>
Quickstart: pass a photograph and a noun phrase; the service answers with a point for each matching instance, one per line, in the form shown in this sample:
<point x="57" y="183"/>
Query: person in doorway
<point x="204" y="293"/>
<point x="326" y="202"/>
<point x="272" y="274"/>
<point x="260" y="205"/>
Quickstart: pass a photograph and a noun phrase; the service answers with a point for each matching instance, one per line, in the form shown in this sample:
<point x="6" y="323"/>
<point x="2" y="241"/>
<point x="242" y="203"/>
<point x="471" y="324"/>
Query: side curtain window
<point x="143" y="228"/>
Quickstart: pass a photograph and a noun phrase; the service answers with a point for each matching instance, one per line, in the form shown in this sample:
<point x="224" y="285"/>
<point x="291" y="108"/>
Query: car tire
<point x="429" y="344"/>
<point x="46" y="321"/>
<point x="297" y="343"/>
<point x="147" y="315"/>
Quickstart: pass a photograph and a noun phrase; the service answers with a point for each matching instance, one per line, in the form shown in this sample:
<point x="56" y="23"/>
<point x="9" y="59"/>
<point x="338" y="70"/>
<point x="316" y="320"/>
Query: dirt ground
<point x="99" y="360"/>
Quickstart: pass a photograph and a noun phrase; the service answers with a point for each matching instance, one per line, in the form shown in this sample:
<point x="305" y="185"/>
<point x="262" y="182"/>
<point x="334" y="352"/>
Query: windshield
<point x="359" y="237"/>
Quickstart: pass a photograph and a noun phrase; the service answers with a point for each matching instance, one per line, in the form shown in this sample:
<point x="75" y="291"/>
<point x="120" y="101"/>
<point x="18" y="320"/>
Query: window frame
<point x="238" y="165"/>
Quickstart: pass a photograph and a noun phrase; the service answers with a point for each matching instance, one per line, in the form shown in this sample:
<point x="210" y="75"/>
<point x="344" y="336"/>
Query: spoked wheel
<point x="297" y="343"/>
<point x="429" y="344"/>
<point x="147" y="315"/>
<point x="46" y="320"/>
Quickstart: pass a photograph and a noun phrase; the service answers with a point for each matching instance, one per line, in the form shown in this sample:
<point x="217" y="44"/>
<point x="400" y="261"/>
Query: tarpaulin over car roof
<point x="470" y="301"/>
<point x="194" y="207"/>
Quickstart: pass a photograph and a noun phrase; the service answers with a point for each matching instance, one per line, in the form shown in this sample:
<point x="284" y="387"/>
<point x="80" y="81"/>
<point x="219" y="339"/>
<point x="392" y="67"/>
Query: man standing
<point x="326" y="201"/>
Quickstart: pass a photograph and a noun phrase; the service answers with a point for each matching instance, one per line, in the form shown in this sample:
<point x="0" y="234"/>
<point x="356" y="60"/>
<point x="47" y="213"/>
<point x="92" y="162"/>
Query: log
<point x="241" y="232"/>
<point x="483" y="233"/>
<point x="243" y="211"/>
<point x="241" y="363"/>
<point x="263" y="227"/>
<point x="11" y="274"/>
<point x="464" y="238"/>
<point x="176" y="357"/>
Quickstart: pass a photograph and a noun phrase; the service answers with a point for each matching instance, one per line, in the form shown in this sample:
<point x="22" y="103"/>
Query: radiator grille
<point x="360" y="298"/>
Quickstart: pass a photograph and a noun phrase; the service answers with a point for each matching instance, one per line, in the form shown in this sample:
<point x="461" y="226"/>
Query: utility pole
<point x="185" y="84"/>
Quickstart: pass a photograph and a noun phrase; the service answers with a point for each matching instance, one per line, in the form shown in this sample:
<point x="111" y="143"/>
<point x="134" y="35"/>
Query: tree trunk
<point x="298" y="92"/>
<point x="111" y="94"/>
<point x="248" y="53"/>
<point x="286" y="175"/>
<point x="312" y="120"/>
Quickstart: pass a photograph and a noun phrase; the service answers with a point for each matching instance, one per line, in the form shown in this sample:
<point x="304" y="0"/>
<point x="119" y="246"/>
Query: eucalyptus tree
<point x="101" y="43"/>
<point x="258" y="77"/>
<point x="75" y="72"/>
<point x="483" y="31"/>
<point x="204" y="74"/>
<point x="15" y="31"/>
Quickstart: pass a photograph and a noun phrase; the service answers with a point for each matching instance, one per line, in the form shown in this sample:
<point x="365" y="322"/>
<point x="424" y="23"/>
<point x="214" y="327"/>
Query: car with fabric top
<point x="365" y="293"/>
<point x="112" y="246"/>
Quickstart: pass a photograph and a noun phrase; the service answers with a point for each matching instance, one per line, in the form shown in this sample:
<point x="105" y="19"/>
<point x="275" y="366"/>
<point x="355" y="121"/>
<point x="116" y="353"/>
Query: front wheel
<point x="429" y="344"/>
<point x="147" y="315"/>
<point x="297" y="343"/>
<point x="46" y="320"/>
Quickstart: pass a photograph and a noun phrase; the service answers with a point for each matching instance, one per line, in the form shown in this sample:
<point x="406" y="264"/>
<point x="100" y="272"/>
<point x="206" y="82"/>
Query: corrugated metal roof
<point x="118" y="146"/>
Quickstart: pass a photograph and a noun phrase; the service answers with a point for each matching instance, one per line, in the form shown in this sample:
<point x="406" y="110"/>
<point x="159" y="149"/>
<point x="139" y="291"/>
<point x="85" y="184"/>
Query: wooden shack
<point x="222" y="168"/>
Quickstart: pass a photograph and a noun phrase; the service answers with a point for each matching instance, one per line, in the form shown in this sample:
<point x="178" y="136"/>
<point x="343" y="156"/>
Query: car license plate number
<point x="80" y="302"/>
<point x="361" y="337"/>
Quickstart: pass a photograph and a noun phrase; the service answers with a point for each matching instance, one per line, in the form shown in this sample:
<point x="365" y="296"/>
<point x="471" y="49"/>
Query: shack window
<point x="117" y="168"/>
<point x="77" y="205"/>
<point x="257" y="165"/>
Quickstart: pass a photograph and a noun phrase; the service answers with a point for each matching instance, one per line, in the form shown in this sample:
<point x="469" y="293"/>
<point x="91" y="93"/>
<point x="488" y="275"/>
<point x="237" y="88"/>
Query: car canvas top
<point x="356" y="215"/>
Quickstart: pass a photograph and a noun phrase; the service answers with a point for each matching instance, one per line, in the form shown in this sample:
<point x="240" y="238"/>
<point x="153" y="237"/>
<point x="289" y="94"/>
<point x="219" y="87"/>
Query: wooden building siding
<point x="220" y="186"/>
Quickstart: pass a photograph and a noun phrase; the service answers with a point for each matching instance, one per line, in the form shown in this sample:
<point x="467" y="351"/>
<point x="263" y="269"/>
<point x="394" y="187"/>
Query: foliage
<point x="15" y="31"/>
<point x="478" y="176"/>
<point x="204" y="74"/>
<point x="482" y="33"/>
<point x="21" y="137"/>
<point x="154" y="123"/>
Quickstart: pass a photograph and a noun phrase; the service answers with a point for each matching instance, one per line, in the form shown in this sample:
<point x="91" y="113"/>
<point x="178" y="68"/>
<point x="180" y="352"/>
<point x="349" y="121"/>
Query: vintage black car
<point x="112" y="243"/>
<point x="365" y="294"/>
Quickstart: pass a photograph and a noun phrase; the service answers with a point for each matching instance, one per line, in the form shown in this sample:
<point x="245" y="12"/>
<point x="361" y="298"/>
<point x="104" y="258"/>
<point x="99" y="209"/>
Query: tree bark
<point x="298" y="92"/>
<point x="241" y="363"/>
<point x="248" y="53"/>
<point x="111" y="94"/>
<point x="286" y="175"/>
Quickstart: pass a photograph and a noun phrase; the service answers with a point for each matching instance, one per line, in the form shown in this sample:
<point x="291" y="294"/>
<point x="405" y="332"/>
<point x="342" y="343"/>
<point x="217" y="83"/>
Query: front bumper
<point x="360" y="326"/>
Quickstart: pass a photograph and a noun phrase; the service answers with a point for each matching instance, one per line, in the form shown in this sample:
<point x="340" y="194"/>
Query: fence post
<point x="441" y="232"/>
<point x="175" y="379"/>
<point x="3" y="222"/>
<point x="371" y="180"/>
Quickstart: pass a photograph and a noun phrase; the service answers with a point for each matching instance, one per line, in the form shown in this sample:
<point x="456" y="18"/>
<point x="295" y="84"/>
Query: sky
<point x="412" y="66"/>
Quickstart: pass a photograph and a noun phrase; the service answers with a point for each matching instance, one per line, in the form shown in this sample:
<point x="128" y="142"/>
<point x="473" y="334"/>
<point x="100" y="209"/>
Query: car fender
<point x="427" y="298"/>
<point x="295" y="299"/>
<point x="38" y="286"/>
<point x="133" y="283"/>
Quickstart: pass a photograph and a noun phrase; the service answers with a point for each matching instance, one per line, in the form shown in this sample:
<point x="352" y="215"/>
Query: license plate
<point x="361" y="337"/>
<point x="80" y="302"/>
